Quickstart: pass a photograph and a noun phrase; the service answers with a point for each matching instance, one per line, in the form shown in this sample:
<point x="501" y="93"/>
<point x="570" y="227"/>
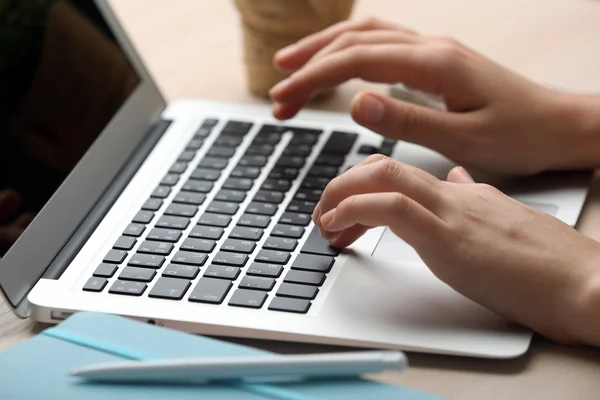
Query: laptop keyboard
<point x="232" y="249"/>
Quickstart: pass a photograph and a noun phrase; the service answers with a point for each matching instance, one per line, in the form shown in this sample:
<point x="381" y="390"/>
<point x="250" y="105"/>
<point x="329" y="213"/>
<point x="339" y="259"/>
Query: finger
<point x="296" y="55"/>
<point x="9" y="202"/>
<point x="459" y="175"/>
<point x="348" y="236"/>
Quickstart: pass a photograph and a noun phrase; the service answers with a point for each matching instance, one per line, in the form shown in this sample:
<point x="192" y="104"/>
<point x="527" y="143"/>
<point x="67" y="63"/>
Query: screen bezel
<point x="34" y="251"/>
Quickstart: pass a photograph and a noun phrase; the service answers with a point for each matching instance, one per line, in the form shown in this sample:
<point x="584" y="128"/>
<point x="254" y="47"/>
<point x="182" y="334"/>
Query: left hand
<point x="517" y="261"/>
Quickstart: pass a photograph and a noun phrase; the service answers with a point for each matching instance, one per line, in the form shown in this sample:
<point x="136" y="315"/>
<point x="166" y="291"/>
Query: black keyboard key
<point x="164" y="235"/>
<point x="210" y="122"/>
<point x="297" y="291"/>
<point x="189" y="258"/>
<point x="340" y="143"/>
<point x="278" y="185"/>
<point x="257" y="283"/>
<point x="309" y="195"/>
<point x="233" y="259"/>
<point x="300" y="150"/>
<point x="181" y="271"/>
<point x="194" y="144"/>
<point x="169" y="180"/>
<point x="152" y="247"/>
<point x="181" y="210"/>
<point x="146" y="261"/>
<point x="272" y="257"/>
<point x="253" y="161"/>
<point x="280" y="244"/>
<point x="206" y="174"/>
<point x="115" y="257"/>
<point x="323" y="171"/>
<point x="178" y="168"/>
<point x="260" y="149"/>
<point x="213" y="163"/>
<point x="334" y="160"/>
<point x="223" y="207"/>
<point x="222" y="272"/>
<point x="218" y="220"/>
<point x="238" y="183"/>
<point x="291" y="162"/>
<point x="229" y="140"/>
<point x="243" y="233"/>
<point x="186" y="156"/>
<point x="189" y="198"/>
<point x="198" y="186"/>
<point x="161" y="192"/>
<point x="105" y="270"/>
<point x="201" y="245"/>
<point x="283" y="173"/>
<point x="315" y="244"/>
<point x="292" y="218"/>
<point x="300" y="206"/>
<point x="128" y="288"/>
<point x="254" y="221"/>
<point x="137" y="274"/>
<point x="315" y="182"/>
<point x="170" y="288"/>
<point x="269" y="196"/>
<point x="210" y="290"/>
<point x="267" y="138"/>
<point x="306" y="135"/>
<point x="263" y="269"/>
<point x="367" y="149"/>
<point x="312" y="262"/>
<point x="202" y="132"/>
<point x="134" y="230"/>
<point x="236" y="196"/>
<point x="246" y="172"/>
<point x="206" y="232"/>
<point x="221" y="152"/>
<point x="288" y="231"/>
<point x="299" y="306"/>
<point x="95" y="284"/>
<point x="262" y="208"/>
<point x="125" y="243"/>
<point x="248" y="298"/>
<point x="238" y="246"/>
<point x="267" y="129"/>
<point x="173" y="222"/>
<point x="152" y="204"/>
<point x="237" y="127"/>
<point x="305" y="277"/>
<point x="143" y="217"/>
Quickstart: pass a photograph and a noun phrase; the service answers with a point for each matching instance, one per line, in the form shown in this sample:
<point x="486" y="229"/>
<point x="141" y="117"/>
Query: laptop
<point x="196" y="215"/>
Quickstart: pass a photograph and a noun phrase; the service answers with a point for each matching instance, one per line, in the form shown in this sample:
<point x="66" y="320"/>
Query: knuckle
<point x="400" y="204"/>
<point x="373" y="158"/>
<point x="387" y="169"/>
<point x="348" y="206"/>
<point x="447" y="50"/>
<point x="346" y="39"/>
<point x="370" y="23"/>
<point x="410" y="119"/>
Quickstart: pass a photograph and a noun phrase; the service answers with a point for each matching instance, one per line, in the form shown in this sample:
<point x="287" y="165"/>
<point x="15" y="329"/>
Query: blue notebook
<point x="39" y="367"/>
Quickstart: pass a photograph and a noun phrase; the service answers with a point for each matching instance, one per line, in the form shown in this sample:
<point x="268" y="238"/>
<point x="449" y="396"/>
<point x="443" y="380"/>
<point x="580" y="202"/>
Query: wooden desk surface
<point x="193" y="48"/>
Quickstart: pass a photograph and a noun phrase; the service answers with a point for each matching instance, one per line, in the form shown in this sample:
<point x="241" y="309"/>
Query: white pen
<point x="258" y="369"/>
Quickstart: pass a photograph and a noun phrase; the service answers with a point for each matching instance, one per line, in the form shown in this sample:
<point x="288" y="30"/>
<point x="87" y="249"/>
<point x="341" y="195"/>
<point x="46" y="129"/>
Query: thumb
<point x="459" y="175"/>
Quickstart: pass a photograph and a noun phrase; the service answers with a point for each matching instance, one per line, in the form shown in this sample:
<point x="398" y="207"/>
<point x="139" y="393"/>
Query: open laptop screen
<point x="63" y="76"/>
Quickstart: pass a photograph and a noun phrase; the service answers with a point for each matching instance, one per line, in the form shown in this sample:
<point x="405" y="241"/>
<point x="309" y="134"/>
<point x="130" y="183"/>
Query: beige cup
<point x="269" y="25"/>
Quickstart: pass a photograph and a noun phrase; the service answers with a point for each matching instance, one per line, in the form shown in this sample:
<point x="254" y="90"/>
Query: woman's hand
<point x="517" y="261"/>
<point x="497" y="120"/>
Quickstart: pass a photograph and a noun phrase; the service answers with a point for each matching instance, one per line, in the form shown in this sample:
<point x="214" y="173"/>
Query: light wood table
<point x="193" y="48"/>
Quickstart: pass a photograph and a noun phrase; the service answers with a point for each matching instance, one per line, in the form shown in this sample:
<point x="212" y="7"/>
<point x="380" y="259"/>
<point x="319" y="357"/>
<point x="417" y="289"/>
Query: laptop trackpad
<point x="392" y="248"/>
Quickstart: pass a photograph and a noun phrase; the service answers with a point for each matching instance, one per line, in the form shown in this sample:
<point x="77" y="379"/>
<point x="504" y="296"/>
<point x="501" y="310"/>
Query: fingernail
<point x="279" y="87"/>
<point x="316" y="216"/>
<point x="327" y="218"/>
<point x="370" y="109"/>
<point x="287" y="51"/>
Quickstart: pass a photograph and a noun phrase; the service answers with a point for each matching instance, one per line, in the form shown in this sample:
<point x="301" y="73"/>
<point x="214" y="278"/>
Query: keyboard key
<point x="311" y="262"/>
<point x="143" y="217"/>
<point x="300" y="150"/>
<point x="223" y="207"/>
<point x="246" y="172"/>
<point x="267" y="138"/>
<point x="269" y="197"/>
<point x="178" y="168"/>
<point x="282" y="244"/>
<point x="210" y="122"/>
<point x="334" y="160"/>
<point x="272" y="257"/>
<point x="229" y="140"/>
<point x="206" y="174"/>
<point x="214" y="163"/>
<point x="279" y="185"/>
<point x="248" y="298"/>
<point x="284" y="173"/>
<point x="315" y="244"/>
<point x="202" y="133"/>
<point x="197" y="186"/>
<point x="299" y="306"/>
<point x="324" y="171"/>
<point x="201" y="245"/>
<point x="263" y="269"/>
<point x="152" y="247"/>
<point x="238" y="183"/>
<point x="309" y="195"/>
<point x="170" y="288"/>
<point x="194" y="144"/>
<point x="95" y="284"/>
<point x="189" y="198"/>
<point x="340" y="143"/>
<point x="219" y="220"/>
<point x="181" y="210"/>
<point x="253" y="161"/>
<point x="221" y="152"/>
<point x="254" y="221"/>
<point x="181" y="271"/>
<point x="115" y="256"/>
<point x="173" y="222"/>
<point x="169" y="180"/>
<point x="207" y="232"/>
<point x="236" y="196"/>
<point x="367" y="149"/>
<point x="186" y="155"/>
<point x="297" y="291"/>
<point x="105" y="270"/>
<point x="189" y="258"/>
<point x="137" y="274"/>
<point x="243" y="233"/>
<point x="292" y="218"/>
<point x="288" y="231"/>
<point x="239" y="246"/>
<point x="290" y="162"/>
<point x="222" y="272"/>
<point x="164" y="235"/>
<point x="306" y="135"/>
<point x="210" y="290"/>
<point x="305" y="277"/>
<point x="237" y="127"/>
<point x="125" y="243"/>
<point x="257" y="283"/>
<point x="161" y="192"/>
<point x="260" y="149"/>
<point x="227" y="258"/>
<point x="128" y="288"/>
<point x="262" y="208"/>
<point x="268" y="129"/>
<point x="134" y="230"/>
<point x="146" y="261"/>
<point x="315" y="182"/>
<point x="300" y="206"/>
<point x="152" y="204"/>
